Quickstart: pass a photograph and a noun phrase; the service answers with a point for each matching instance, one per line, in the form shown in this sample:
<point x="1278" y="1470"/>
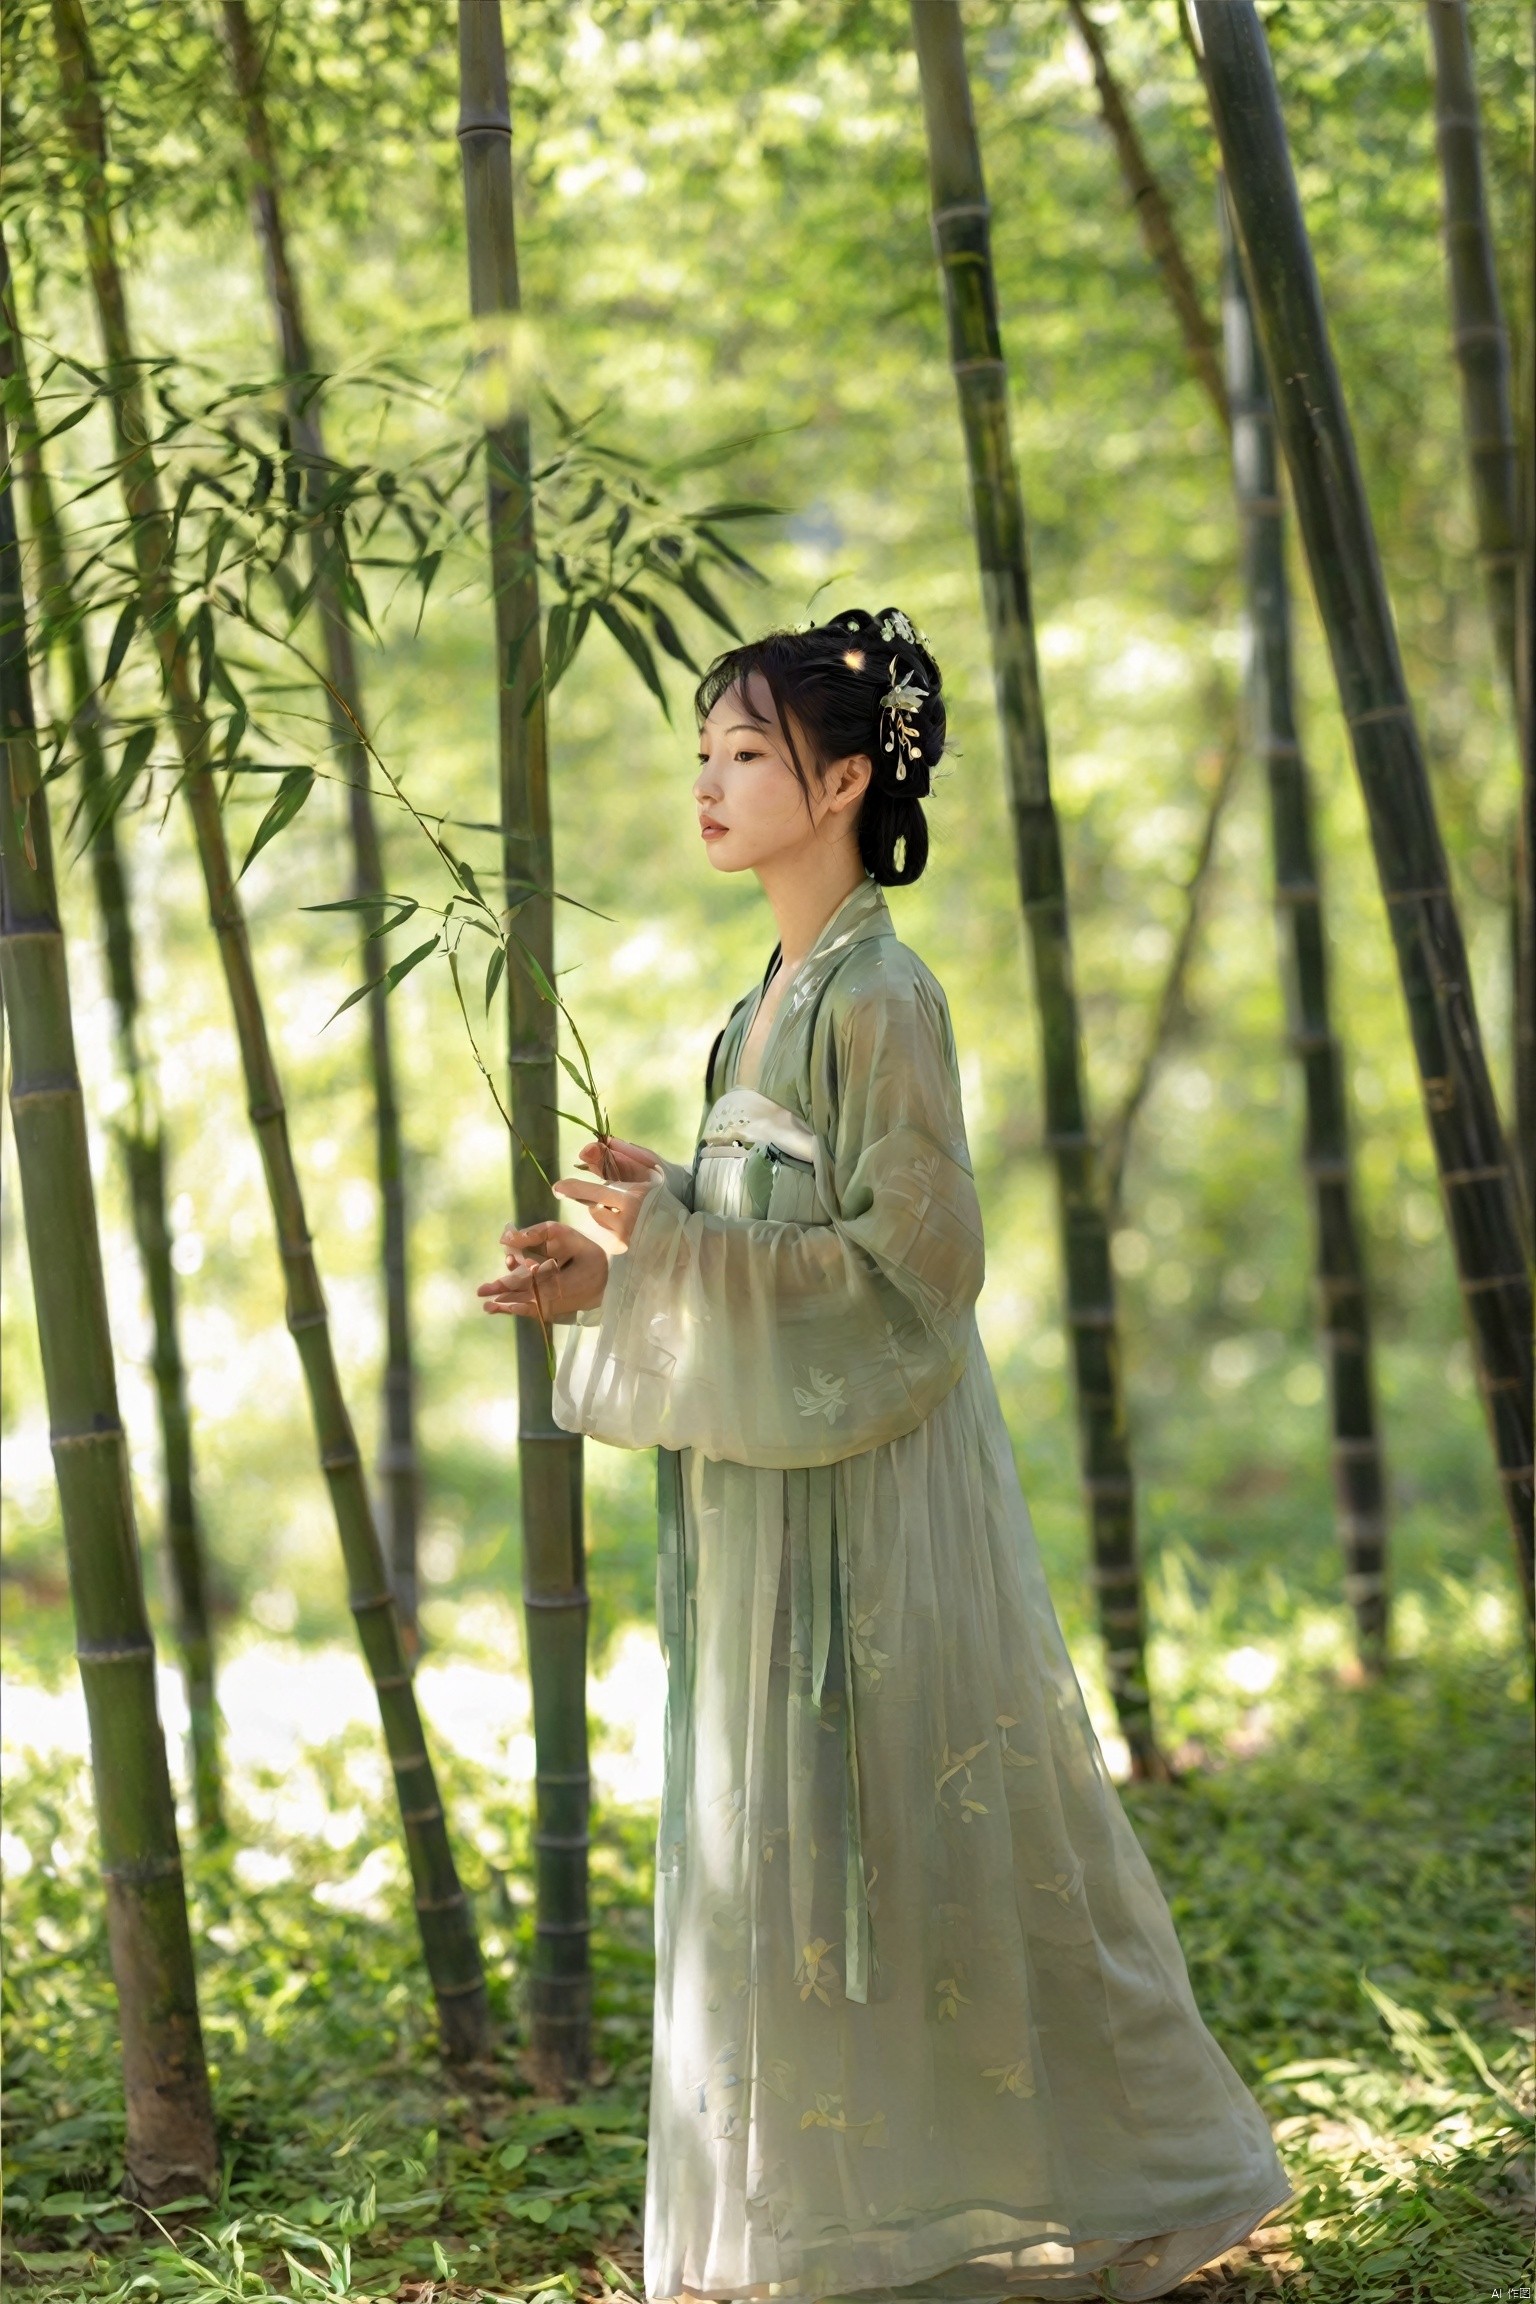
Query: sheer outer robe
<point x="921" y="2014"/>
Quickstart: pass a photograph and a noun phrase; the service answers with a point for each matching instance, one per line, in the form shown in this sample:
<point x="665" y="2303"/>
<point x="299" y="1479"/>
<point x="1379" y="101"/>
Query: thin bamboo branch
<point x="141" y="1136"/>
<point x="962" y="235"/>
<point x="1154" y="215"/>
<point x="399" y="1464"/>
<point x="550" y="1459"/>
<point x="172" y="2148"/>
<point x="1169" y="1011"/>
<point x="1477" y="1186"/>
<point x="442" y="1908"/>
<point x="1342" y="1293"/>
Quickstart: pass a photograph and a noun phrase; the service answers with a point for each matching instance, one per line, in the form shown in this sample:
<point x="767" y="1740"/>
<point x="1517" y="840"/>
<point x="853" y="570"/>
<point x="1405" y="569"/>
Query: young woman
<point x="923" y="2028"/>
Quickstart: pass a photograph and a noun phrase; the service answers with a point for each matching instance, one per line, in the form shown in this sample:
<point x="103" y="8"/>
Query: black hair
<point x="835" y="680"/>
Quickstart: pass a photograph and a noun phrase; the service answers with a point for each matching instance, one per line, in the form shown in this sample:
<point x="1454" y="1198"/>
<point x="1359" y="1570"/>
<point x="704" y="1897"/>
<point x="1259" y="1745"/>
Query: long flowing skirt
<point x="923" y="2027"/>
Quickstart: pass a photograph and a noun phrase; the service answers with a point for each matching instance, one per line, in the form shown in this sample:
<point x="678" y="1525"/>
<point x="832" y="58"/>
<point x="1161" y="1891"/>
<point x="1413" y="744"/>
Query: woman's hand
<point x="553" y="1272"/>
<point x="624" y="1163"/>
<point x="616" y="1205"/>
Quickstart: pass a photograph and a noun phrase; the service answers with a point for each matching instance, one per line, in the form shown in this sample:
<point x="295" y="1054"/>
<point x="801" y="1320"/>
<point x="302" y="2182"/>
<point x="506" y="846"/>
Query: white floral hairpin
<point x="899" y="624"/>
<point x="905" y="696"/>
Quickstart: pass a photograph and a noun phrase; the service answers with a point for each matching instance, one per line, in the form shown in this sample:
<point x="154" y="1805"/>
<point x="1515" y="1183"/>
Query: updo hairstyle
<point x="832" y="682"/>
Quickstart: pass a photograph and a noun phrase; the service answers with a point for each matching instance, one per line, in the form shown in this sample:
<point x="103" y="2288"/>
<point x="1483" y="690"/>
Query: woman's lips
<point x="710" y="830"/>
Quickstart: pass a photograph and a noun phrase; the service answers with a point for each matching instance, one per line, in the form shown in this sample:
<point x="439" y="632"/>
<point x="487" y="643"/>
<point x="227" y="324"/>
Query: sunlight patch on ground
<point x="280" y="1700"/>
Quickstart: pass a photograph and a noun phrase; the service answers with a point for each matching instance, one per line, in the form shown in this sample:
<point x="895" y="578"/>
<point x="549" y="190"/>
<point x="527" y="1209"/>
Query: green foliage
<point x="342" y="2141"/>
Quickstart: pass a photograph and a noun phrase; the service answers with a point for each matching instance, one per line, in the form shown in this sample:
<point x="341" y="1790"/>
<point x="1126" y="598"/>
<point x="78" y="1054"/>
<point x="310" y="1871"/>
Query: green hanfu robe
<point x="922" y="2022"/>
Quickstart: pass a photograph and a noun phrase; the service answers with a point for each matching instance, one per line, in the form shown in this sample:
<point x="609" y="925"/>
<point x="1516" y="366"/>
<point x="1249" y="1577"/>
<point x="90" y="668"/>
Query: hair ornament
<point x="898" y="729"/>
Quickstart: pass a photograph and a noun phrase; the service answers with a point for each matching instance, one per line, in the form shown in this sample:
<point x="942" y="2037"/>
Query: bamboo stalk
<point x="549" y="1459"/>
<point x="1525" y="712"/>
<point x="963" y="239"/>
<point x="1342" y="1294"/>
<point x="141" y="1136"/>
<point x="1154" y="215"/>
<point x="399" y="1464"/>
<point x="172" y="2148"/>
<point x="1470" y="1153"/>
<point x="1478" y="331"/>
<point x="443" y="1911"/>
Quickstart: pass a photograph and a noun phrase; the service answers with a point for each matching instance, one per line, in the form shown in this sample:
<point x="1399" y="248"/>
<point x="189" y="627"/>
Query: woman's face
<point x="752" y="807"/>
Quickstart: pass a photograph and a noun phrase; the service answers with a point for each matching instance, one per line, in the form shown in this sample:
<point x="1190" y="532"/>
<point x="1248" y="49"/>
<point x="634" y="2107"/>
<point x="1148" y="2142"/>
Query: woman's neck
<point x="804" y="891"/>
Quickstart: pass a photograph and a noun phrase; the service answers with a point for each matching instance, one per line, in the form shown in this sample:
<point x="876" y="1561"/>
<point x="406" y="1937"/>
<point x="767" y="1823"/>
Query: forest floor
<point x="1349" y="1871"/>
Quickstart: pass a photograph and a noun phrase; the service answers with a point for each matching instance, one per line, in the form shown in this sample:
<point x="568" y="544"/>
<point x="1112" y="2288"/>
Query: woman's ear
<point x="848" y="780"/>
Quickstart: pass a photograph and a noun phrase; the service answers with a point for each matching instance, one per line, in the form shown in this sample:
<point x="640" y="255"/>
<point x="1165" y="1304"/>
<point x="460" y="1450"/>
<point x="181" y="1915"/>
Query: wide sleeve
<point x="783" y="1344"/>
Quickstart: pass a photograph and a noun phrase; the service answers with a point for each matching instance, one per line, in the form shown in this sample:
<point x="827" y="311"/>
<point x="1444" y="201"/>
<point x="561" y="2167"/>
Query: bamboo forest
<point x="404" y="402"/>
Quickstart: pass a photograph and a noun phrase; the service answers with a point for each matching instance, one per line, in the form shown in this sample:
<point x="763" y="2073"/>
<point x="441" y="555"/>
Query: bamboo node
<point x="1473" y="1175"/>
<point x="114" y="1651"/>
<point x="1483" y="1284"/>
<point x="441" y="1903"/>
<point x="340" y="1460"/>
<point x="50" y="1092"/>
<point x="1380" y="712"/>
<point x="459" y="1991"/>
<point x="376" y="1600"/>
<point x="148" y="1868"/>
<point x="572" y="1599"/>
<point x="112" y="1433"/>
<point x="562" y="1776"/>
<point x="300" y="1322"/>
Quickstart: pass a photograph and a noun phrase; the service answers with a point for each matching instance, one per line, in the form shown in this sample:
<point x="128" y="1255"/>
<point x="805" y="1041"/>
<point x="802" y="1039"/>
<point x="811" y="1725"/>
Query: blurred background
<point x="724" y="236"/>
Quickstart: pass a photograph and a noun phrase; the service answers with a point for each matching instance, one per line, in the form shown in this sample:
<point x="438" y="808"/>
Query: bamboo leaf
<point x="292" y="793"/>
<point x="202" y="632"/>
<point x="744" y="510"/>
<point x="122" y="634"/>
<point x="494" y="974"/>
<point x="690" y="581"/>
<point x="666" y="631"/>
<point x="386" y="983"/>
<point x="559" y="659"/>
<point x="637" y="648"/>
<point x="398" y="973"/>
<point x="583" y="1084"/>
<point x="65" y="424"/>
<point x="426" y="570"/>
<point x="408" y="905"/>
<point x="542" y="982"/>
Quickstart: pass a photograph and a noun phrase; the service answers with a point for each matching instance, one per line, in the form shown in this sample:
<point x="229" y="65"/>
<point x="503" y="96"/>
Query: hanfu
<point x="923" y="2027"/>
